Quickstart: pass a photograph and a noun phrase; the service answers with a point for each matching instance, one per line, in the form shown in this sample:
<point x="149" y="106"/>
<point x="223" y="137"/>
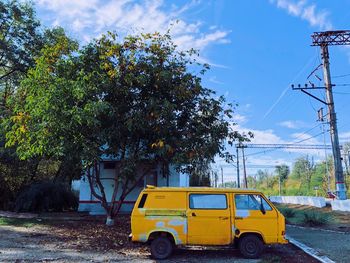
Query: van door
<point x="209" y="219"/>
<point x="249" y="217"/>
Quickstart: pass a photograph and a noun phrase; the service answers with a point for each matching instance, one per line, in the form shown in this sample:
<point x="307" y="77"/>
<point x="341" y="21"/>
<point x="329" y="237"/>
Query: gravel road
<point x="39" y="244"/>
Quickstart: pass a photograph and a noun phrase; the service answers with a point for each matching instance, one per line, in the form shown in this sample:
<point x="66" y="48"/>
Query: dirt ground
<point x="91" y="241"/>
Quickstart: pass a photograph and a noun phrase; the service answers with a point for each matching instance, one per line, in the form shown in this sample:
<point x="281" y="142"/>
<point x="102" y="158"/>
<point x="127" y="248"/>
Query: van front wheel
<point x="251" y="246"/>
<point x="161" y="248"/>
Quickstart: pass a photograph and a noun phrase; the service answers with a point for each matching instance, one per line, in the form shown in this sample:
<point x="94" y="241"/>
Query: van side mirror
<point x="262" y="208"/>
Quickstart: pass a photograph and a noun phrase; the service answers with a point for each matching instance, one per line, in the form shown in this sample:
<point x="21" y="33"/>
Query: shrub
<point x="46" y="196"/>
<point x="314" y="218"/>
<point x="288" y="212"/>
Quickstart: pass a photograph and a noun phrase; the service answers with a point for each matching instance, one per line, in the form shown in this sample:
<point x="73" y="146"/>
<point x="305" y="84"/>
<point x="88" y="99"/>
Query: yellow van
<point x="167" y="217"/>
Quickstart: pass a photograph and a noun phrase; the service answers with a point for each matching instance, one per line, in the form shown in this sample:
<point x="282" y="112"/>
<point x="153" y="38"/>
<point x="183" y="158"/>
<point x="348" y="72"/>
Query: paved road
<point x="335" y="245"/>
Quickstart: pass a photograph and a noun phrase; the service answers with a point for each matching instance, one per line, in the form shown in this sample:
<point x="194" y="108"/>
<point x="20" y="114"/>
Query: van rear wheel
<point x="251" y="246"/>
<point x="161" y="248"/>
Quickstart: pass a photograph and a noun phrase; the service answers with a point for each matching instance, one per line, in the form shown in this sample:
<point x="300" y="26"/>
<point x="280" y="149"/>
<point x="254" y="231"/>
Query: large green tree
<point x="20" y="40"/>
<point x="139" y="101"/>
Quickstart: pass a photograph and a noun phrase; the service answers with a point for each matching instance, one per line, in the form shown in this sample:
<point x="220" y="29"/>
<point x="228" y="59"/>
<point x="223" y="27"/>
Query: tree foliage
<point x="139" y="101"/>
<point x="303" y="170"/>
<point x="304" y="178"/>
<point x="21" y="41"/>
<point x="19" y="38"/>
<point x="282" y="171"/>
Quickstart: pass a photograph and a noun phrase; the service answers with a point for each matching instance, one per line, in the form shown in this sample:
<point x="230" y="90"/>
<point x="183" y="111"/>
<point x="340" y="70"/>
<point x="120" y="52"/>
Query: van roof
<point x="199" y="189"/>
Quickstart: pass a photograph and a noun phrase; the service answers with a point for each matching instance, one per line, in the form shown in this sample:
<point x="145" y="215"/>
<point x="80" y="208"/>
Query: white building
<point x="88" y="203"/>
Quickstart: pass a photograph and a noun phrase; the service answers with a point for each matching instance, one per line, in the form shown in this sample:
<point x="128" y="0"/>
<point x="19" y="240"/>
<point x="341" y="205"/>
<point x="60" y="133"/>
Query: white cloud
<point x="241" y="119"/>
<point x="344" y="137"/>
<point x="293" y="124"/>
<point x="305" y="11"/>
<point x="88" y="19"/>
<point x="213" y="79"/>
<point x="261" y="136"/>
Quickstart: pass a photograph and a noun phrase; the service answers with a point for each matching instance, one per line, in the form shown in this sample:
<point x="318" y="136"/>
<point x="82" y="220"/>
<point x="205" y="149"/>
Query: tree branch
<point x="8" y="73"/>
<point x="101" y="187"/>
<point x="91" y="184"/>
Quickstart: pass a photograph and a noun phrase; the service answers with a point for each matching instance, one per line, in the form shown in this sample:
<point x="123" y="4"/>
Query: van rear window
<point x="142" y="201"/>
<point x="208" y="201"/>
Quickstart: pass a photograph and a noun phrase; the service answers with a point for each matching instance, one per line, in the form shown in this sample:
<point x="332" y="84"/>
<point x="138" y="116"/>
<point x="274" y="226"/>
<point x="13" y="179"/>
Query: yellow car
<point x="167" y="217"/>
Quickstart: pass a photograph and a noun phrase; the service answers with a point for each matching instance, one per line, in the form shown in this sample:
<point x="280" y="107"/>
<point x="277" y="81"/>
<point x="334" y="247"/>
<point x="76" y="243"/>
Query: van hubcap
<point x="251" y="247"/>
<point x="162" y="248"/>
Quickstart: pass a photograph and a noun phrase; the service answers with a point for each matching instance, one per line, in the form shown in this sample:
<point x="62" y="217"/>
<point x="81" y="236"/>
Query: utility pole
<point x="323" y="39"/>
<point x="238" y="180"/>
<point x="279" y="184"/>
<point x="222" y="177"/>
<point x="244" y="169"/>
<point x="321" y="119"/>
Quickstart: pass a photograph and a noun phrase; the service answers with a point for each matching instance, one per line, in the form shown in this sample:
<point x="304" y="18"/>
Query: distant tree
<point x="282" y="171"/>
<point x="303" y="170"/>
<point x="265" y="180"/>
<point x="252" y="182"/>
<point x="230" y="185"/>
<point x="135" y="100"/>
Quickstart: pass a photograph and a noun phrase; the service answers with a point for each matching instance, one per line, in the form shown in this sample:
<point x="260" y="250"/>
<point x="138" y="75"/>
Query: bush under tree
<point x="46" y="197"/>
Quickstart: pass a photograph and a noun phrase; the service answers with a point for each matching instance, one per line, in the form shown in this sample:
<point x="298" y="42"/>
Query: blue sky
<point x="257" y="48"/>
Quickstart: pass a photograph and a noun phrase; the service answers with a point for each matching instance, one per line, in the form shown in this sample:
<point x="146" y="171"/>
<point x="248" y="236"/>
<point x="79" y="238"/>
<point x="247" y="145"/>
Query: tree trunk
<point x="109" y="221"/>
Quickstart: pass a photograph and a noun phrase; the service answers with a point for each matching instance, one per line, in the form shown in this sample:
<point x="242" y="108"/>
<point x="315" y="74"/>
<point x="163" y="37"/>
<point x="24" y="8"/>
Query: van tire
<point x="251" y="246"/>
<point x="161" y="248"/>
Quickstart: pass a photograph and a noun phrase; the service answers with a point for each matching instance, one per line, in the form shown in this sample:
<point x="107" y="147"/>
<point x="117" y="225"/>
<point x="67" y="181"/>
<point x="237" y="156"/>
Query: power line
<point x="311" y="137"/>
<point x="287" y="146"/>
<point x="341" y="85"/>
<point x="276" y="148"/>
<point x="341" y="76"/>
<point x="287" y="88"/>
<point x="300" y="135"/>
<point x="345" y="93"/>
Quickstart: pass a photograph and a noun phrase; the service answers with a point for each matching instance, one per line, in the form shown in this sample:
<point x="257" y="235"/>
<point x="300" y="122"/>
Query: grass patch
<point x="288" y="212"/>
<point x="315" y="218"/>
<point x="4" y="221"/>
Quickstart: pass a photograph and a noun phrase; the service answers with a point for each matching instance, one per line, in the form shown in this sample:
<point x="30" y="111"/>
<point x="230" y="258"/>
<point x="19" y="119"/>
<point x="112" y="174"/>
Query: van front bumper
<point x="283" y="240"/>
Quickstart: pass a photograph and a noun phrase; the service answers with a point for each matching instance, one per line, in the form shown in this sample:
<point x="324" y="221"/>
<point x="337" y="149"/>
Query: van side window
<point x="208" y="201"/>
<point x="250" y="202"/>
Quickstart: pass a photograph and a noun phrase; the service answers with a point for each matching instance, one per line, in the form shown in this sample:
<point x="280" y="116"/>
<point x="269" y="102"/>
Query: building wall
<point x="88" y="203"/>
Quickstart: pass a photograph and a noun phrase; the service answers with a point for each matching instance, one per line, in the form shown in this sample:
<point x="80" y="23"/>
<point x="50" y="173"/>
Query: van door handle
<point x="223" y="217"/>
<point x="238" y="217"/>
<point x="194" y="214"/>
